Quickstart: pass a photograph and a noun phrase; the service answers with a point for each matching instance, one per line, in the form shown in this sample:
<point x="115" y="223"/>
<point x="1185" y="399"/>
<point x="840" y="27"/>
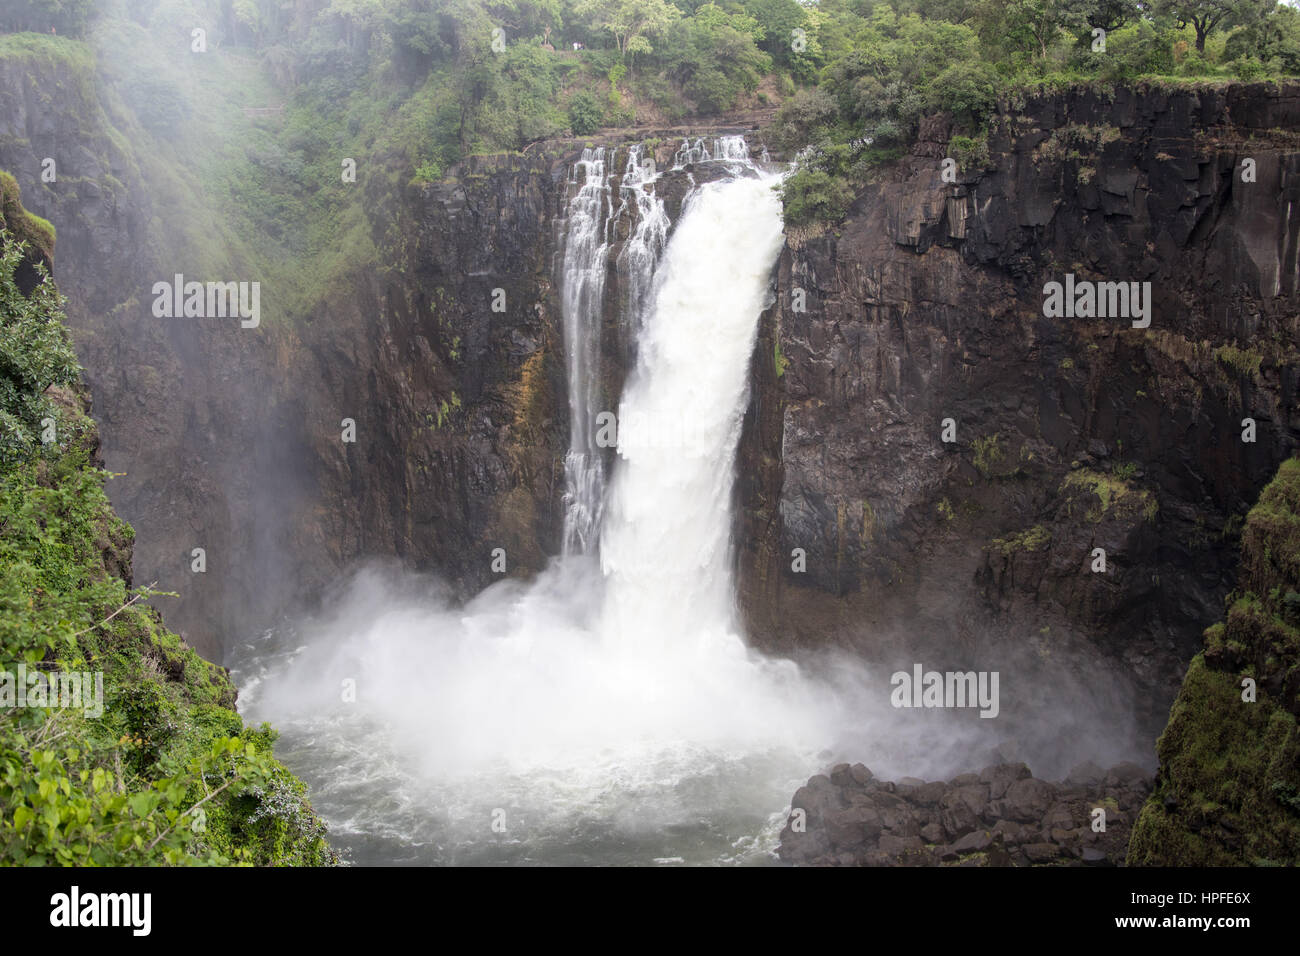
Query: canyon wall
<point x="924" y="305"/>
<point x="1071" y="434"/>
<point x="229" y="439"/>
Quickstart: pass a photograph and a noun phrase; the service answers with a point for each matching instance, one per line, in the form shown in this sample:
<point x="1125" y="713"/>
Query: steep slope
<point x="1228" y="789"/>
<point x="1070" y="434"/>
<point x="118" y="743"/>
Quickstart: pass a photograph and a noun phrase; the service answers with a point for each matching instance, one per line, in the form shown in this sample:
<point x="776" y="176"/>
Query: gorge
<point x="693" y="641"/>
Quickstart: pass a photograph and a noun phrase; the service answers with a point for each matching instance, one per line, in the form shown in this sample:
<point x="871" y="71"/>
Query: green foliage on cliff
<point x="34" y="357"/>
<point x="60" y="17"/>
<point x="882" y="67"/>
<point x="23" y="225"/>
<point x="1230" y="769"/>
<point x="143" y="759"/>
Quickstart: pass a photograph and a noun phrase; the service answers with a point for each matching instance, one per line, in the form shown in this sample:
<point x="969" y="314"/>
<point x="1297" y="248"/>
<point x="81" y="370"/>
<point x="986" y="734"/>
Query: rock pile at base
<point x="1002" y="816"/>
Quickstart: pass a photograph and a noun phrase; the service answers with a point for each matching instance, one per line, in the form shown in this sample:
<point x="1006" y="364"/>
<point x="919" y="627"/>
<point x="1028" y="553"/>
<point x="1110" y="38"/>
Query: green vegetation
<point x="63" y="17"/>
<point x="1031" y="539"/>
<point x="988" y="452"/>
<point x="1105" y="494"/>
<point x="1230" y="769"/>
<point x="164" y="772"/>
<point x="873" y="70"/>
<point x="1245" y="362"/>
<point x="411" y="89"/>
<point x="23" y="225"/>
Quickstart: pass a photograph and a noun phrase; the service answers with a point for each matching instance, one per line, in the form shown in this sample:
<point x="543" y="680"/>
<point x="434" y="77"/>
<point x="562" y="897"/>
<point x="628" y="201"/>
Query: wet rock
<point x="1041" y="852"/>
<point x="1085" y="774"/>
<point x="841" y="775"/>
<point x="1002" y="776"/>
<point x="853" y="827"/>
<point x="1027" y="800"/>
<point x="973" y="842"/>
<point x="961" y="807"/>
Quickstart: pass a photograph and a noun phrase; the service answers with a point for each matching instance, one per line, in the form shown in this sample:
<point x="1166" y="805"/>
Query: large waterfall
<point x="666" y="546"/>
<point x="608" y="711"/>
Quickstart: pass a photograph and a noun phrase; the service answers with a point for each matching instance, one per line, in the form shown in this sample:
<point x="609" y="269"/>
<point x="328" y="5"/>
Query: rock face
<point x="230" y="439"/>
<point x="1071" y="434"/>
<point x="1002" y="816"/>
<point x="1228" y="788"/>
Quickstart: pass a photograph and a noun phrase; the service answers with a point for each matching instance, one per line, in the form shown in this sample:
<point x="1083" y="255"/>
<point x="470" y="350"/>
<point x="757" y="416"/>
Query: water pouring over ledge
<point x="609" y="711"/>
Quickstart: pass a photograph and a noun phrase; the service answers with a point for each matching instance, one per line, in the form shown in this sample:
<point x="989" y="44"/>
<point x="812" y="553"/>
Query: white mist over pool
<point x="608" y="711"/>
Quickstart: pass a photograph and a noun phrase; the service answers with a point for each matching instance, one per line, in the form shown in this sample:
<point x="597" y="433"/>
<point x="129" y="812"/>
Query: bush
<point x="586" y="115"/>
<point x="34" y="356"/>
<point x="814" y="195"/>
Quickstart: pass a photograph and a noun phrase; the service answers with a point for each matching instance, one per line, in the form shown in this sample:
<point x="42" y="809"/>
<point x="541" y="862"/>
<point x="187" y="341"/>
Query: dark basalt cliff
<point x="230" y="439"/>
<point x="1071" y="434"/>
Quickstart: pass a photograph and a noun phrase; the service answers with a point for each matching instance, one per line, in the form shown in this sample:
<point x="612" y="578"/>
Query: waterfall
<point x="666" y="544"/>
<point x="733" y="148"/>
<point x="610" y="708"/>
<point x="636" y="263"/>
<point x="582" y="283"/>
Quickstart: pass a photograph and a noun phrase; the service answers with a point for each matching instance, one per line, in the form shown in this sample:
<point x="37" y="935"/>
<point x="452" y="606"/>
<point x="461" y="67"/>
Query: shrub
<point x="586" y="115"/>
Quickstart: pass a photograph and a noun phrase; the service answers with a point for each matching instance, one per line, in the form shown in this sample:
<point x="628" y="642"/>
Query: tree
<point x="1274" y="39"/>
<point x="630" y="22"/>
<point x="1205" y="16"/>
<point x="1110" y="15"/>
<point x="1043" y="20"/>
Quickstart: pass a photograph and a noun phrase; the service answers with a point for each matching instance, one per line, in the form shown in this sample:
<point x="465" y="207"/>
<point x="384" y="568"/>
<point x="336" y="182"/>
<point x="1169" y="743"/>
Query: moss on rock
<point x="21" y="224"/>
<point x="1230" y="766"/>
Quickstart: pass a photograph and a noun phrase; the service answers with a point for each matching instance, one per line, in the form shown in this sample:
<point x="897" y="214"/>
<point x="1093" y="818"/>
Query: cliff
<point x="1228" y="789"/>
<point x="119" y="744"/>
<point x="1071" y="434"/>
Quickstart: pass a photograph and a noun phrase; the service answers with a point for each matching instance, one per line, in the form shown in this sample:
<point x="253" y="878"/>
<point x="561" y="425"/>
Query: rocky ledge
<point x="1002" y="816"/>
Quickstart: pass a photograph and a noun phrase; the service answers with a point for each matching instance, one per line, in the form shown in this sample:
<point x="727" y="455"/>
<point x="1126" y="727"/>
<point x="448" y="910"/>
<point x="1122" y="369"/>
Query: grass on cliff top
<point x="46" y="46"/>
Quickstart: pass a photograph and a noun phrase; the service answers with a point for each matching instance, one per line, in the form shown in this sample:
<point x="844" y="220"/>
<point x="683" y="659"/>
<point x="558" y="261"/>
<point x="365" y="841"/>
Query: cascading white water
<point x="641" y="252"/>
<point x="611" y="712"/>
<point x="723" y="148"/>
<point x="582" y="290"/>
<point x="665" y="548"/>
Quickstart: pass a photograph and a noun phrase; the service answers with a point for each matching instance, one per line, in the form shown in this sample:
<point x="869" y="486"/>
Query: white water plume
<point x="627" y="683"/>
